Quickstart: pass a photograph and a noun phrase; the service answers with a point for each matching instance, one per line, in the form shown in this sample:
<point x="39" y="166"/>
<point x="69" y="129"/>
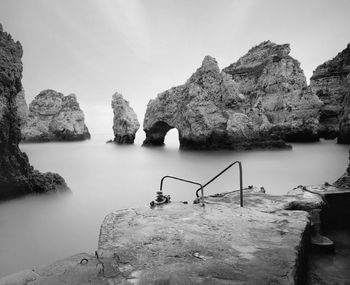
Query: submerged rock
<point x="17" y="176"/>
<point x="209" y="112"/>
<point x="273" y="81"/>
<point x="54" y="117"/>
<point x="125" y="123"/>
<point x="330" y="82"/>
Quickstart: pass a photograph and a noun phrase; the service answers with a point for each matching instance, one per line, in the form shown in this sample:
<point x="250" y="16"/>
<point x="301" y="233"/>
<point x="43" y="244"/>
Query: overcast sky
<point x="143" y="47"/>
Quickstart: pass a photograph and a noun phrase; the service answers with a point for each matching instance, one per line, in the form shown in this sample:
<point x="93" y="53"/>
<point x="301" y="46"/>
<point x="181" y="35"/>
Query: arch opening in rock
<point x="172" y="138"/>
<point x="156" y="134"/>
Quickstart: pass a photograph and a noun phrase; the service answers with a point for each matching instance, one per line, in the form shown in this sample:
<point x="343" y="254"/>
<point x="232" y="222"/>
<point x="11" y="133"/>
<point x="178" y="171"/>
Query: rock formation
<point x="209" y="113"/>
<point x="344" y="120"/>
<point x="17" y="176"/>
<point x="54" y="117"/>
<point x="330" y="82"/>
<point x="344" y="181"/>
<point x="274" y="82"/>
<point x="125" y="123"/>
<point x="22" y="107"/>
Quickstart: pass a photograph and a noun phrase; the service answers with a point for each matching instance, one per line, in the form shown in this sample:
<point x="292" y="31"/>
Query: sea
<point x="38" y="230"/>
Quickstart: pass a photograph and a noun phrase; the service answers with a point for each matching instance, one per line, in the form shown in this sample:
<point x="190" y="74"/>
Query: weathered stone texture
<point x="54" y="117"/>
<point x="218" y="244"/>
<point x="209" y="112"/>
<point x="330" y="82"/>
<point x="274" y="82"/>
<point x="125" y="123"/>
<point x="344" y="180"/>
<point x="17" y="176"/>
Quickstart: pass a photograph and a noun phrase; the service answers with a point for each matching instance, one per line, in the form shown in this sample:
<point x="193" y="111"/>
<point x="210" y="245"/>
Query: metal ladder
<point x="210" y="181"/>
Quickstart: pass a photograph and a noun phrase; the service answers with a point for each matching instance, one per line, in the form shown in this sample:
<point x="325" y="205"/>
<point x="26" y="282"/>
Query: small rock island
<point x="125" y="123"/>
<point x="54" y="117"/>
<point x="17" y="176"/>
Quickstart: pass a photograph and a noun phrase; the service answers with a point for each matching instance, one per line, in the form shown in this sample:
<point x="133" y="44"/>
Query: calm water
<point x="331" y="268"/>
<point x="105" y="177"/>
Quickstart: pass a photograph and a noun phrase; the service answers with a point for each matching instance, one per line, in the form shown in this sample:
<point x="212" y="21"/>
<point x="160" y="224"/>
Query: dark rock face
<point x="125" y="123"/>
<point x="330" y="82"/>
<point x="209" y="113"/>
<point x="17" y="176"/>
<point x="344" y="181"/>
<point x="274" y="82"/>
<point x="54" y="117"/>
<point x="344" y="120"/>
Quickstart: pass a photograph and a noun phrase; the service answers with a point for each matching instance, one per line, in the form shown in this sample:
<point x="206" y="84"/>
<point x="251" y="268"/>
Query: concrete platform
<point x="221" y="243"/>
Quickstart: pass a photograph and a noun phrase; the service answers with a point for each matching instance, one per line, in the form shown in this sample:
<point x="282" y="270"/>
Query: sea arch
<point x="155" y="135"/>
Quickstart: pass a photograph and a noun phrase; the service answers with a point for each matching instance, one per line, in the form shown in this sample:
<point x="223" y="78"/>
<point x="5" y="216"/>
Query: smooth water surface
<point x="331" y="267"/>
<point x="105" y="177"/>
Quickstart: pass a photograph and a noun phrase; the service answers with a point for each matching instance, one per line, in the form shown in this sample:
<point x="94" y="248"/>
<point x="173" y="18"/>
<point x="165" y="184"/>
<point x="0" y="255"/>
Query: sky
<point x="143" y="47"/>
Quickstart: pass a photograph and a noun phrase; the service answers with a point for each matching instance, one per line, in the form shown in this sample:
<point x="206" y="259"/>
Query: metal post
<point x="184" y="180"/>
<point x="240" y="183"/>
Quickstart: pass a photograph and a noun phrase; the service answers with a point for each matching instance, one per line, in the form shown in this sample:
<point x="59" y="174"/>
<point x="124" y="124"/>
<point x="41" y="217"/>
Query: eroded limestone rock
<point x="22" y="107"/>
<point x="54" y="117"/>
<point x="125" y="123"/>
<point x="344" y="120"/>
<point x="209" y="112"/>
<point x="273" y="81"/>
<point x="17" y="176"/>
<point x="344" y="180"/>
<point x="330" y="82"/>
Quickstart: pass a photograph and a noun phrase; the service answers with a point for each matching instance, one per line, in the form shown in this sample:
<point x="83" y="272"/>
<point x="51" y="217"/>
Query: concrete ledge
<point x="221" y="243"/>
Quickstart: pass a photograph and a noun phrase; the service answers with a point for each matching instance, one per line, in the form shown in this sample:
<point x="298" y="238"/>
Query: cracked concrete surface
<point x="221" y="243"/>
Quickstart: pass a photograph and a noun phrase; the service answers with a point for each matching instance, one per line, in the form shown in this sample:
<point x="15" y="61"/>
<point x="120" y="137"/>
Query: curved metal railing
<point x="240" y="180"/>
<point x="188" y="181"/>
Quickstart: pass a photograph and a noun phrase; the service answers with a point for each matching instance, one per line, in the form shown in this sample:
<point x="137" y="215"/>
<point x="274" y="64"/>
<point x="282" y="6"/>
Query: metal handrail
<point x="184" y="180"/>
<point x="240" y="180"/>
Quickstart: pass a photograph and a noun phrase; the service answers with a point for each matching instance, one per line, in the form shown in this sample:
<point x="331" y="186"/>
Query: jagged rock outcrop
<point x="344" y="120"/>
<point x="344" y="180"/>
<point x="273" y="81"/>
<point x="17" y="176"/>
<point x="330" y="82"/>
<point x="22" y="107"/>
<point x="125" y="123"/>
<point x="54" y="117"/>
<point x="209" y="113"/>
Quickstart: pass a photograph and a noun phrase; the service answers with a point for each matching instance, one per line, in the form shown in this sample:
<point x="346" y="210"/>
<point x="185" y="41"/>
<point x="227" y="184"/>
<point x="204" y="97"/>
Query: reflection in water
<point x="105" y="177"/>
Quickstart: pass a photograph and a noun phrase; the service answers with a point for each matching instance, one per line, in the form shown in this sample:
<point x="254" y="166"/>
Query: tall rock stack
<point x="54" y="117"/>
<point x="273" y="81"/>
<point x="17" y="176"/>
<point x="209" y="113"/>
<point x="330" y="82"/>
<point x="125" y="123"/>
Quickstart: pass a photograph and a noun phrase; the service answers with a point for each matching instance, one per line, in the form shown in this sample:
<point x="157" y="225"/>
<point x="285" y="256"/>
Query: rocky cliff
<point x="17" y="176"/>
<point x="344" y="119"/>
<point x="330" y="82"/>
<point x="54" y="117"/>
<point x="125" y="123"/>
<point x="344" y="181"/>
<point x="273" y="81"/>
<point x="209" y="112"/>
